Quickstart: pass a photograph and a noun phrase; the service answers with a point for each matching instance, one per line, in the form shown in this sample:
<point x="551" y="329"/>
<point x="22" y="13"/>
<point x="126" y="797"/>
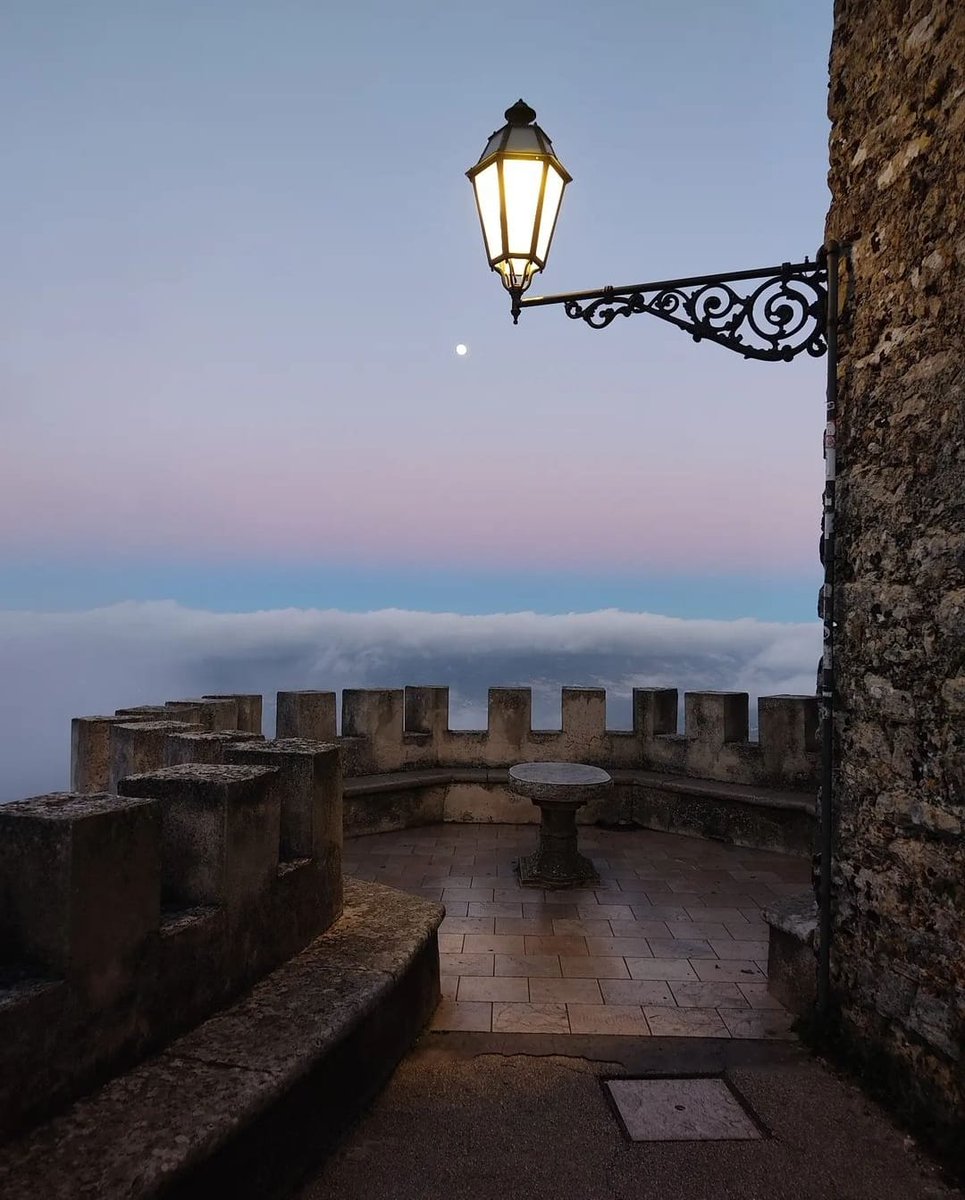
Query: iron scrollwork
<point x="780" y="314"/>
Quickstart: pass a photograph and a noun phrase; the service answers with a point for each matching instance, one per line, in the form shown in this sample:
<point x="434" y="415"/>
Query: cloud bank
<point x="57" y="665"/>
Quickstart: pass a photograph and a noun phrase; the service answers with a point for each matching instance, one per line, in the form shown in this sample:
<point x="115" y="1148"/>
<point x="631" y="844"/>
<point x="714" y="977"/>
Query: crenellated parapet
<point x="386" y="730"/>
<point x="404" y="728"/>
<point x="128" y="916"/>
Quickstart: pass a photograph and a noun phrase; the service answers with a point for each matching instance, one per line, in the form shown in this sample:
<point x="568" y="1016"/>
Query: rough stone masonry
<point x="897" y="106"/>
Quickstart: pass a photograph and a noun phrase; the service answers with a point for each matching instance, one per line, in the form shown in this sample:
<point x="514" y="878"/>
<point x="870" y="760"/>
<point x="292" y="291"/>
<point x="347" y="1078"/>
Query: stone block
<point x="788" y="736"/>
<point x="219" y="833"/>
<point x="654" y="712"/>
<point x="376" y="714"/>
<point x="716" y="718"/>
<point x="584" y="722"/>
<point x="510" y="723"/>
<point x="90" y="750"/>
<point x="138" y="746"/>
<point x="307" y="714"/>
<point x="427" y="711"/>
<point x="211" y="713"/>
<point x="249" y="710"/>
<point x="183" y="748"/>
<point x="791" y="962"/>
<point x="311" y="790"/>
<point x="80" y="888"/>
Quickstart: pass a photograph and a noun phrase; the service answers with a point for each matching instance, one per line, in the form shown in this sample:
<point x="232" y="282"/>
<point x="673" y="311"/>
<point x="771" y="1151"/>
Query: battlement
<point x="398" y="729"/>
<point x="128" y="916"/>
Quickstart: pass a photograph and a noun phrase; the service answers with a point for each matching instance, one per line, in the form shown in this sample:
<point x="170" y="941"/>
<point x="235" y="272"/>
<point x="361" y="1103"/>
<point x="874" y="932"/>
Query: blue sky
<point x="239" y="251"/>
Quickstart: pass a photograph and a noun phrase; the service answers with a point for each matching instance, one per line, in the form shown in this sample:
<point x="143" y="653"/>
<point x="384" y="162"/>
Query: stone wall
<point x="897" y="104"/>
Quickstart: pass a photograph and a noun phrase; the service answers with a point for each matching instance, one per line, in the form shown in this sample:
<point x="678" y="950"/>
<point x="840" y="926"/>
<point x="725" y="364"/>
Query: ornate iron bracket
<point x="782" y="312"/>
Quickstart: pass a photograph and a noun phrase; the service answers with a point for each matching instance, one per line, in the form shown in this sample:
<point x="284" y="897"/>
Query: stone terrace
<point x="672" y="943"/>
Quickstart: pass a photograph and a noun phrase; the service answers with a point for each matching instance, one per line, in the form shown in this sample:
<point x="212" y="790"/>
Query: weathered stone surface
<point x="554" y="781"/>
<point x="183" y="748"/>
<point x="897" y="104"/>
<point x="306" y="715"/>
<point x="336" y="1017"/>
<point x="219" y="832"/>
<point x="80" y="888"/>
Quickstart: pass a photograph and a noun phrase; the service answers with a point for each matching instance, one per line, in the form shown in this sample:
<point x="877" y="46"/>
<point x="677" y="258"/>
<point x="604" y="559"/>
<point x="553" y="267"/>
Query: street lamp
<point x="519" y="185"/>
<point x="768" y="313"/>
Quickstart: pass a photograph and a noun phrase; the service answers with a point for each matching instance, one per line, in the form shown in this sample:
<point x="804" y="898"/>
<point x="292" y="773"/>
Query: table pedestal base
<point x="556" y="863"/>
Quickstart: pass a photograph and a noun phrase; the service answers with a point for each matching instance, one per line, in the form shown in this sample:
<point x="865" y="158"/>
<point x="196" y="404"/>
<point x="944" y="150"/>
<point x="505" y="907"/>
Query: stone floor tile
<point x="636" y="991"/>
<point x="528" y="964"/>
<point x="685" y="1022"/>
<point x="563" y="991"/>
<point x="708" y="995"/>
<point x="744" y="876"/>
<point x="456" y="1015"/>
<point x="581" y="897"/>
<point x="660" y="912"/>
<point x="608" y="1018"/>
<point x="530" y="1018"/>
<point x="450" y="943"/>
<point x="697" y="929"/>
<point x="604" y="912"/>
<point x="524" y="925"/>
<point x="758" y="1022"/>
<point x="469" y="893"/>
<point x="571" y="944"/>
<point x="505" y="895"/>
<point x="619" y="946"/>
<point x="466" y="964"/>
<point x="592" y="967"/>
<point x="582" y="928"/>
<point x="749" y="931"/>
<point x="736" y="971"/>
<point x="553" y="912"/>
<point x="457" y="908"/>
<point x="448" y="986"/>
<point x="482" y="909"/>
<point x="493" y="943"/>
<point x="680" y="948"/>
<point x="757" y="996"/>
<point x="660" y="968"/>
<point x="640" y="929"/>
<point x="718" y="915"/>
<point x="481" y="987"/>
<point x="466" y="925"/>
<point x="730" y="948"/>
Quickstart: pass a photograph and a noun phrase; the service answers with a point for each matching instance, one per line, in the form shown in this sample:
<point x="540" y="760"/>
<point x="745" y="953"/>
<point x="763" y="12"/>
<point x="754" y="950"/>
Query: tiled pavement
<point x="670" y="944"/>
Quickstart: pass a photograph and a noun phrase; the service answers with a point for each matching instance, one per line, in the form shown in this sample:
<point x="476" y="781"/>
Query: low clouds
<point x="57" y="665"/>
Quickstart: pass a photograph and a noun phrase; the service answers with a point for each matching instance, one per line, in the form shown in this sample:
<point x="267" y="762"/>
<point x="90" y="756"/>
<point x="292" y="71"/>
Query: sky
<point x="239" y="250"/>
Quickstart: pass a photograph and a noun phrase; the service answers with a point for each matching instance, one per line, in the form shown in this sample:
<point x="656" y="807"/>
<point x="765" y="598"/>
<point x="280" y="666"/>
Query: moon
<point x="462" y="349"/>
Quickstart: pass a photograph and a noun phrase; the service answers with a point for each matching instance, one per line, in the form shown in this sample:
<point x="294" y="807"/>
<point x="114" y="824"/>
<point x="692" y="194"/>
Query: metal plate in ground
<point x="680" y="1110"/>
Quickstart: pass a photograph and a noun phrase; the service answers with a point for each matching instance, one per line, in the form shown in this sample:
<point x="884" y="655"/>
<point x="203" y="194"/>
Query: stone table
<point x="558" y="789"/>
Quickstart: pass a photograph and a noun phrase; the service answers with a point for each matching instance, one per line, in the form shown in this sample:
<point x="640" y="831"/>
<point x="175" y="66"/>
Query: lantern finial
<point x="520" y="114"/>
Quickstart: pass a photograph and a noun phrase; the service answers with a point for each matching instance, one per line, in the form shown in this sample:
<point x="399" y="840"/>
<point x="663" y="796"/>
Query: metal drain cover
<point x="680" y="1110"/>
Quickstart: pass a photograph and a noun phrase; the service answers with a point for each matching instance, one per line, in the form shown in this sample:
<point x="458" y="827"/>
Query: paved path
<point x="670" y="944"/>
<point x="479" y="1116"/>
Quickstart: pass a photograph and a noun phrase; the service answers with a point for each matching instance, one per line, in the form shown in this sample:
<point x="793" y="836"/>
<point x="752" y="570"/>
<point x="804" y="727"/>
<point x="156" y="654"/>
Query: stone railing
<point x="127" y="915"/>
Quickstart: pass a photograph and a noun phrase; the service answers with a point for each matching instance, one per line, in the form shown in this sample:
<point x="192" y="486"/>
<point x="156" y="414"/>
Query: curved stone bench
<point x="247" y="1101"/>
<point x="746" y="815"/>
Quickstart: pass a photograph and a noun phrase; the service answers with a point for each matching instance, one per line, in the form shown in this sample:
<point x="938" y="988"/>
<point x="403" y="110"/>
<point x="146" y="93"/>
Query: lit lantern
<point x="519" y="185"/>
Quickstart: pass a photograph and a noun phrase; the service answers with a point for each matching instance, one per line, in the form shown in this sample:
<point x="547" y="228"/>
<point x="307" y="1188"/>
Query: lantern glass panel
<point x="552" y="197"/>
<point x="522" y="180"/>
<point x="486" y="184"/>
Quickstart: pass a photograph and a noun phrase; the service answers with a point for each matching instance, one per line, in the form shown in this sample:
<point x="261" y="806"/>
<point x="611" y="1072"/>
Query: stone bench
<point x="246" y="1102"/>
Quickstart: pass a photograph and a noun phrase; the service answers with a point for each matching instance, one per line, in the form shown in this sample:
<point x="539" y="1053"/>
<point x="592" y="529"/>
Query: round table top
<point x="560" y="781"/>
